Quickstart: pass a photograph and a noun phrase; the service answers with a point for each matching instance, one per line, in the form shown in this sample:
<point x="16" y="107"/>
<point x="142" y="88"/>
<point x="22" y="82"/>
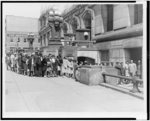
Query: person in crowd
<point x="31" y="65"/>
<point x="41" y="57"/>
<point x="120" y="68"/>
<point x="27" y="63"/>
<point x="81" y="63"/>
<point x="126" y="67"/>
<point x="12" y="57"/>
<point x="58" y="66"/>
<point x="24" y="66"/>
<point x="139" y="69"/>
<point x="19" y="63"/>
<point x="54" y="67"/>
<point x="132" y="68"/>
<point x="64" y="66"/>
<point x="44" y="65"/>
<point x="8" y="62"/>
<point x="38" y="69"/>
<point x="71" y="68"/>
<point x="16" y="63"/>
<point x="68" y="67"/>
<point x="75" y="67"/>
<point x="49" y="66"/>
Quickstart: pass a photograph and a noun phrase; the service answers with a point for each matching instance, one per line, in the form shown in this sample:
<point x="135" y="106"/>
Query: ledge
<point x="136" y="30"/>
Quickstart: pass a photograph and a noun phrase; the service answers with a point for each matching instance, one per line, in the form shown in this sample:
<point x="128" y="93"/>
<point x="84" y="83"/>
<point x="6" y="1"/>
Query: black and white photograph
<point x="74" y="59"/>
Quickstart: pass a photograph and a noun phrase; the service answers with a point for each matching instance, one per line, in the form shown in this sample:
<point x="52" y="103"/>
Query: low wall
<point x="111" y="70"/>
<point x="92" y="75"/>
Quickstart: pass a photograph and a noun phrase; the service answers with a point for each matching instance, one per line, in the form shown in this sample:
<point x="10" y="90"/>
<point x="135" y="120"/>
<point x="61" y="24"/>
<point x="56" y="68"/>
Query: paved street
<point x="23" y="93"/>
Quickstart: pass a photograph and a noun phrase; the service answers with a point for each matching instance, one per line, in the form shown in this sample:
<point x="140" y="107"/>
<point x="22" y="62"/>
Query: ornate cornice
<point x="76" y="11"/>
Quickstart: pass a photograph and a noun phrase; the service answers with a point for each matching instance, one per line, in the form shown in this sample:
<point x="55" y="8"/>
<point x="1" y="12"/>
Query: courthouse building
<point x="18" y="30"/>
<point x="116" y="28"/>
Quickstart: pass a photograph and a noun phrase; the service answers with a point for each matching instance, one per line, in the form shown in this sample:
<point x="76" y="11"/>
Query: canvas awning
<point x="89" y="54"/>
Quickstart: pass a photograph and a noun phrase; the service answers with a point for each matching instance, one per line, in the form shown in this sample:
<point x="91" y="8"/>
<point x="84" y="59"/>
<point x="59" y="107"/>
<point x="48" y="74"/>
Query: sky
<point x="31" y="9"/>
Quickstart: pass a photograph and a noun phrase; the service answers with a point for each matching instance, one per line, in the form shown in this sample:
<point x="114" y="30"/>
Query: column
<point x="47" y="38"/>
<point x="82" y="23"/>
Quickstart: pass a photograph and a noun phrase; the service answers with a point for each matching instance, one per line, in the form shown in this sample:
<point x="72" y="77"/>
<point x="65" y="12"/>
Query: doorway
<point x="134" y="54"/>
<point x="86" y="60"/>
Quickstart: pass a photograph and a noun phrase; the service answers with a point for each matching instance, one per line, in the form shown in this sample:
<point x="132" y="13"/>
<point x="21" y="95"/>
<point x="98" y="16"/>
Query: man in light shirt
<point x="132" y="69"/>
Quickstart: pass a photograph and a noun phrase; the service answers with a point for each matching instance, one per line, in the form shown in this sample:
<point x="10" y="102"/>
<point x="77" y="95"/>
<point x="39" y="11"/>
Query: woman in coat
<point x="44" y="66"/>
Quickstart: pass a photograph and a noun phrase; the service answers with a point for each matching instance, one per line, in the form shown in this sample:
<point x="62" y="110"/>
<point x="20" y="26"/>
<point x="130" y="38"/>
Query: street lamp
<point x="86" y="35"/>
<point x="30" y="40"/>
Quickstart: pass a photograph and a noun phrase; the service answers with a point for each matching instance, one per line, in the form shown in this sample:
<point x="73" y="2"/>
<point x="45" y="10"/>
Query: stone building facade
<point x="116" y="28"/>
<point x="50" y="38"/>
<point x="17" y="30"/>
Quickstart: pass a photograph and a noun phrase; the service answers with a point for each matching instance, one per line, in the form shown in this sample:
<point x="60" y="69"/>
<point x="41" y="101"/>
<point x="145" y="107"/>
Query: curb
<point x="125" y="91"/>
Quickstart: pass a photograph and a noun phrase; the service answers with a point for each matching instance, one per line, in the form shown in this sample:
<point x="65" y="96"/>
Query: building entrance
<point x="86" y="60"/>
<point x="134" y="54"/>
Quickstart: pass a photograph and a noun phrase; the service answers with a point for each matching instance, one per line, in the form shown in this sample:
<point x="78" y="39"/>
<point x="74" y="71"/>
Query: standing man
<point x="75" y="67"/>
<point x="31" y="65"/>
<point x="139" y="69"/>
<point x="44" y="65"/>
<point x="19" y="63"/>
<point x="120" y="68"/>
<point x="132" y="69"/>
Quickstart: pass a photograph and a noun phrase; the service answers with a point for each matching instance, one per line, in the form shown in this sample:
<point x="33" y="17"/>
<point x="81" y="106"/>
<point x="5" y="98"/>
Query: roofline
<point x="21" y="17"/>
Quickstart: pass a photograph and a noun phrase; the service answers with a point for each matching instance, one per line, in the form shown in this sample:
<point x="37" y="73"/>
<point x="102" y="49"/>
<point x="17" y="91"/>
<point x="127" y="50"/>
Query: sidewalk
<point x="38" y="94"/>
<point x="13" y="97"/>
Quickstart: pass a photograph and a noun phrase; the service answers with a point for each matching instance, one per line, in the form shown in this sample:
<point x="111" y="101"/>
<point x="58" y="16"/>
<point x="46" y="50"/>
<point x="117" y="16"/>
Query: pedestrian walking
<point x="132" y="69"/>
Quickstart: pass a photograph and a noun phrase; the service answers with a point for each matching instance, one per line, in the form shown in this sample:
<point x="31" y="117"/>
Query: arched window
<point x="24" y="39"/>
<point x="65" y="29"/>
<point x="74" y="24"/>
<point x="11" y="40"/>
<point x="87" y="19"/>
<point x="18" y="39"/>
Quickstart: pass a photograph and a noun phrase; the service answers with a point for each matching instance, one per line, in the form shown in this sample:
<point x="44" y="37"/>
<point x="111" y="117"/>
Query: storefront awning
<point x="89" y="54"/>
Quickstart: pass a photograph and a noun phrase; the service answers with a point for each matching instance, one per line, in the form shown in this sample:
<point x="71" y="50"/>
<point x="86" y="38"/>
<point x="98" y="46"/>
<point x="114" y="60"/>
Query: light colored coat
<point x="132" y="68"/>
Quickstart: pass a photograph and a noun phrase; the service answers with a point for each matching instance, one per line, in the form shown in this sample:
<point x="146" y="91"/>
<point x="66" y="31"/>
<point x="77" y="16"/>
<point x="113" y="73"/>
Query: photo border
<point x="75" y="118"/>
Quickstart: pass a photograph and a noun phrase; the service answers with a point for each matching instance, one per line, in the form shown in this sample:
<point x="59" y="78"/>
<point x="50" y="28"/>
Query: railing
<point x="134" y="80"/>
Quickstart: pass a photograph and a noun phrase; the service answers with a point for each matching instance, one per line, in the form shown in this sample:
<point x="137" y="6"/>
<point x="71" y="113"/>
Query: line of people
<point x="40" y="66"/>
<point x="130" y="69"/>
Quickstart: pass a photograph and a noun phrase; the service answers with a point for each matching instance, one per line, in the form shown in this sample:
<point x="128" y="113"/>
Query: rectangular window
<point x="18" y="39"/>
<point x="109" y="17"/>
<point x="11" y="40"/>
<point x="24" y="39"/>
<point x="105" y="55"/>
<point x="45" y="40"/>
<point x="138" y="14"/>
<point x="39" y="40"/>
